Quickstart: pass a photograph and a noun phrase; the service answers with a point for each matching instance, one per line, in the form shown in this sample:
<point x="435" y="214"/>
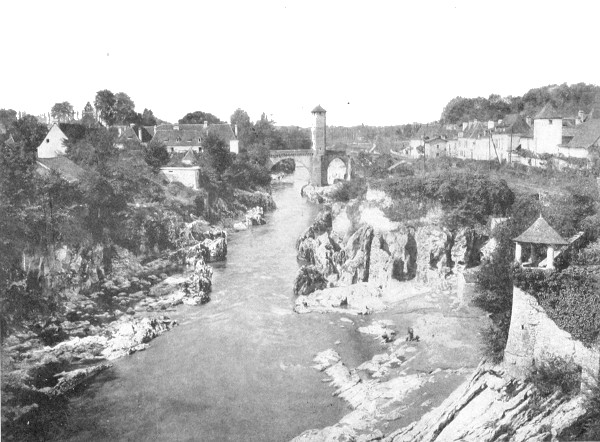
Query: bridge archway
<point x="336" y="169"/>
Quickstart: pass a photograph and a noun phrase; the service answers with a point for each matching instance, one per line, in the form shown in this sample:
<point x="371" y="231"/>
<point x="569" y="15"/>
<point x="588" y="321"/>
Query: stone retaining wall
<point x="533" y="336"/>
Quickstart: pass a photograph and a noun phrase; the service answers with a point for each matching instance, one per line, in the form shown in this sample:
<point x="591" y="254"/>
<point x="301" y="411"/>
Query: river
<point x="237" y="368"/>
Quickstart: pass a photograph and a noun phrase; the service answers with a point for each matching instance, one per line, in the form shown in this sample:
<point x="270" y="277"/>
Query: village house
<point x="183" y="167"/>
<point x="182" y="137"/>
<point x="51" y="156"/>
<point x="133" y="133"/>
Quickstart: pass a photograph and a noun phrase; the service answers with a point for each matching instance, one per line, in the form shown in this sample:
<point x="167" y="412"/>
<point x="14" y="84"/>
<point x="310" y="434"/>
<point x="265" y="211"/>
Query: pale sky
<point x="371" y="62"/>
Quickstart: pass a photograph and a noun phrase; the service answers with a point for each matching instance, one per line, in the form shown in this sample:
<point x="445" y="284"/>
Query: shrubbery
<point x="555" y="375"/>
<point x="466" y="198"/>
<point x="348" y="190"/>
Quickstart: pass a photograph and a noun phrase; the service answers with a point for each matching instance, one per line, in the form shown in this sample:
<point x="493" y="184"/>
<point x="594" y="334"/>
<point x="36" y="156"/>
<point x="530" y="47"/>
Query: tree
<point x="264" y="132"/>
<point x="105" y="106"/>
<point x="156" y="154"/>
<point x="88" y="117"/>
<point x="7" y="117"/>
<point x="216" y="152"/>
<point x="124" y="109"/>
<point x="62" y="112"/>
<point x="30" y="132"/>
<point x="244" y="126"/>
<point x="148" y="118"/>
<point x="94" y="150"/>
<point x="199" y="117"/>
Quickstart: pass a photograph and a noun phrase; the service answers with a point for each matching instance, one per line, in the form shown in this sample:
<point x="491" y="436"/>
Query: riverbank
<point x="44" y="362"/>
<point x="361" y="265"/>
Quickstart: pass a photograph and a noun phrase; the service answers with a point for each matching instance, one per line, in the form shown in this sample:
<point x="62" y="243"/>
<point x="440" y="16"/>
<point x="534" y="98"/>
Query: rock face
<point x="356" y="299"/>
<point x="308" y="279"/>
<point x="492" y="406"/>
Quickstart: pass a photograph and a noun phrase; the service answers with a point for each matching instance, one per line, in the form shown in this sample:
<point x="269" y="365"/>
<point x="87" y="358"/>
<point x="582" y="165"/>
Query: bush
<point x="555" y="375"/>
<point x="493" y="340"/>
<point x="348" y="190"/>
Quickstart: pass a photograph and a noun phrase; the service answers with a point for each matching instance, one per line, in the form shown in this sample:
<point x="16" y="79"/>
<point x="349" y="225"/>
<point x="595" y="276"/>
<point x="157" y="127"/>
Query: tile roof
<point x="515" y="124"/>
<point x="548" y="112"/>
<point x="540" y="232"/>
<point x="317" y="109"/>
<point x="192" y="134"/>
<point x="183" y="159"/>
<point x="129" y="134"/>
<point x="586" y="134"/>
<point x="434" y="131"/>
<point x="65" y="167"/>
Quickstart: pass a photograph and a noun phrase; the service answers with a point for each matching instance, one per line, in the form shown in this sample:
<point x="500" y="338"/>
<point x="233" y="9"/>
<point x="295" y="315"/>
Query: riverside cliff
<point x="429" y="384"/>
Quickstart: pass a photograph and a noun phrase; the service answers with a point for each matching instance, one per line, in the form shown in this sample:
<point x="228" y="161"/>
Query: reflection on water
<point x="237" y="368"/>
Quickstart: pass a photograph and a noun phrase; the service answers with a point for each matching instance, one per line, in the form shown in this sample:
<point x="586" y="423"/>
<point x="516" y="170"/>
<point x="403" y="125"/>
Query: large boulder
<point x="255" y="217"/>
<point x="217" y="248"/>
<point x="308" y="279"/>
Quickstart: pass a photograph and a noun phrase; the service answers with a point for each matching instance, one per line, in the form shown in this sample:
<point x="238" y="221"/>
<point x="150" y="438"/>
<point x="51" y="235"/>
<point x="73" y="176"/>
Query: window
<point x="47" y="140"/>
<point x="549" y="121"/>
<point x="178" y="138"/>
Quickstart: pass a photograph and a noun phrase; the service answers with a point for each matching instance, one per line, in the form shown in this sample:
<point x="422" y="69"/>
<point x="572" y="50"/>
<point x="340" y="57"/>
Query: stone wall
<point x="533" y="336"/>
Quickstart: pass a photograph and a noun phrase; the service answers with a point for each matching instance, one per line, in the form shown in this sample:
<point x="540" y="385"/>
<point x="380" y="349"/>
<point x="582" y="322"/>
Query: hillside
<point x="567" y="99"/>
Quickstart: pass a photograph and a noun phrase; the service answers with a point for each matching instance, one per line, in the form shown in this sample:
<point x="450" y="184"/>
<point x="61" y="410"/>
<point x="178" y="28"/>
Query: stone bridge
<point x="323" y="168"/>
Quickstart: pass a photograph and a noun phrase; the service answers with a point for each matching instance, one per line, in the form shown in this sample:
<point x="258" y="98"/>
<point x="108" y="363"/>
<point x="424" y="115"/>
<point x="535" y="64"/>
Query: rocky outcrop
<point x="255" y="217"/>
<point x="356" y="299"/>
<point x="491" y="406"/>
<point x="308" y="279"/>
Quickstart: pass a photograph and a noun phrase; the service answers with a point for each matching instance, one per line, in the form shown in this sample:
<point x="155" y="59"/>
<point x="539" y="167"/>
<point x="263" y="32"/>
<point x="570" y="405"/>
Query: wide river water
<point x="237" y="368"/>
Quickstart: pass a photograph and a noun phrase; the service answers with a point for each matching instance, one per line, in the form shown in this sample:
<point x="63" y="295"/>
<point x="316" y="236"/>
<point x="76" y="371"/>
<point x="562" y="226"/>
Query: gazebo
<point x="539" y="233"/>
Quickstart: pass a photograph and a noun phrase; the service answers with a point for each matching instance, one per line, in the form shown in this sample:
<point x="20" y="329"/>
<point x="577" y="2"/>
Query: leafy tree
<point x="30" y="132"/>
<point x="7" y="117"/>
<point x="264" y="132"/>
<point x="156" y="154"/>
<point x="124" y="109"/>
<point x="88" y="118"/>
<point x="62" y="112"/>
<point x="216" y="153"/>
<point x="199" y="117"/>
<point x="94" y="150"/>
<point x="148" y="118"/>
<point x="296" y="138"/>
<point x="105" y="106"/>
<point x="244" y="125"/>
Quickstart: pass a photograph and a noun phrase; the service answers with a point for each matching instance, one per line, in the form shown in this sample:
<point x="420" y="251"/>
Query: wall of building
<point x="187" y="176"/>
<point x="573" y="152"/>
<point x="547" y="135"/>
<point x="533" y="336"/>
<point x="52" y="146"/>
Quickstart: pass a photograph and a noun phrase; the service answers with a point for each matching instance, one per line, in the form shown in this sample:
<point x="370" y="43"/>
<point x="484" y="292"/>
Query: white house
<point x="53" y="144"/>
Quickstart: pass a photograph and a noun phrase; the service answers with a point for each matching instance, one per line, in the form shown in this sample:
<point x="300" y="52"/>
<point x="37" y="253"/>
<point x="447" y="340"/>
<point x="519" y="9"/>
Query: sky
<point x="366" y="62"/>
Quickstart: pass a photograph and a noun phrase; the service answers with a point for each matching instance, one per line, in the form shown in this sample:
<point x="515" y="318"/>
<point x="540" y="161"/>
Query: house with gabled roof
<point x="183" y="167"/>
<point x="182" y="137"/>
<point x="51" y="156"/>
<point x="585" y="137"/>
<point x="53" y="143"/>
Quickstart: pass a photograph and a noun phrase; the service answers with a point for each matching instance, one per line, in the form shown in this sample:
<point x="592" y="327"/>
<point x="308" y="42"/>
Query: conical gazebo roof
<point x="541" y="232"/>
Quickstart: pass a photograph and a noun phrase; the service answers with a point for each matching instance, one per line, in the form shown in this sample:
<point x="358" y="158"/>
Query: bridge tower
<point x="319" y="140"/>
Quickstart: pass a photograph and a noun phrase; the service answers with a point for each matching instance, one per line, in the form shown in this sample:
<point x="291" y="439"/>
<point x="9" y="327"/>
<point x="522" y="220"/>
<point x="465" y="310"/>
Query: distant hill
<point x="567" y="99"/>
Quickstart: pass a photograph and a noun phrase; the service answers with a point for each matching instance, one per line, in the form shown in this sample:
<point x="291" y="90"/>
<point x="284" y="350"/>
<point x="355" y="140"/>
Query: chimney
<point x="140" y="134"/>
<point x="205" y="124"/>
<point x="528" y="121"/>
<point x="490" y="124"/>
<point x="464" y="125"/>
<point x="580" y="117"/>
<point x="235" y="130"/>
